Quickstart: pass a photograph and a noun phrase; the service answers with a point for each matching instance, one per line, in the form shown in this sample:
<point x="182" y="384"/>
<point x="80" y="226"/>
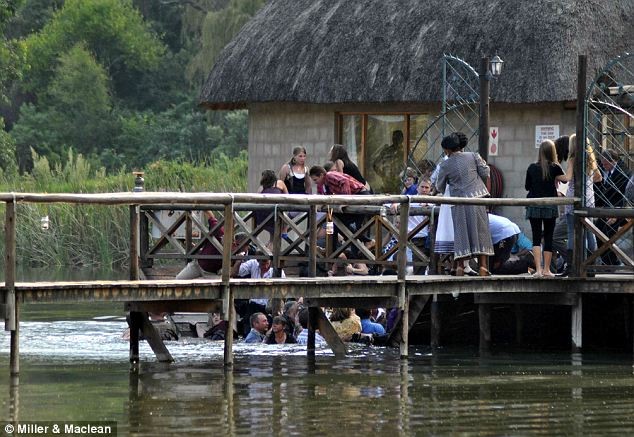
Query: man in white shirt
<point x="503" y="235"/>
<point x="254" y="268"/>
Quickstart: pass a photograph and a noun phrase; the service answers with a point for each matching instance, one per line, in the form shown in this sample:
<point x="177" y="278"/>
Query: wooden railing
<point x="299" y="214"/>
<point x="297" y="223"/>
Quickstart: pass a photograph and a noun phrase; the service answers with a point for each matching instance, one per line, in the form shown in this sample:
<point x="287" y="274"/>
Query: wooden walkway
<point x="356" y="287"/>
<point x="408" y="293"/>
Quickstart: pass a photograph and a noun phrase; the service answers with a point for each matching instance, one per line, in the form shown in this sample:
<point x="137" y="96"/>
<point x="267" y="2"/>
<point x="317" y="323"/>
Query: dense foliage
<point x="81" y="235"/>
<point x="92" y="89"/>
<point x="115" y="80"/>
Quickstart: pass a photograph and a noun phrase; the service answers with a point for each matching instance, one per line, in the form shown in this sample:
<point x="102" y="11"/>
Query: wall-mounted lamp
<point x="496" y="66"/>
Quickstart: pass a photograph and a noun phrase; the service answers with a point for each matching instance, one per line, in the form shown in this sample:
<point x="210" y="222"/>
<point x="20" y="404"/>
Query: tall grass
<point x="92" y="235"/>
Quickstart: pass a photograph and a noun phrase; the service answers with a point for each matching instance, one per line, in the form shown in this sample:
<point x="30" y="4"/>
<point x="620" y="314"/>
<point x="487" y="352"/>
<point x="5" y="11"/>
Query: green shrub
<point x="95" y="235"/>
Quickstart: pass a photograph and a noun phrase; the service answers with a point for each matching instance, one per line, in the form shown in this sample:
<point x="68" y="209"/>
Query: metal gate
<point x="460" y="112"/>
<point x="609" y="124"/>
<point x="608" y="132"/>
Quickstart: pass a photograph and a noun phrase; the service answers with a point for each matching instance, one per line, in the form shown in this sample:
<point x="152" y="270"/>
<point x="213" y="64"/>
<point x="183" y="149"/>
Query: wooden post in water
<point x="519" y="324"/>
<point x="135" y="322"/>
<point x="576" y="324"/>
<point x="227" y="298"/>
<point x="313" y="317"/>
<point x="434" y="330"/>
<point x="12" y="312"/>
<point x="403" y="297"/>
<point x="484" y="319"/>
<point x="632" y="322"/>
<point x="135" y="318"/>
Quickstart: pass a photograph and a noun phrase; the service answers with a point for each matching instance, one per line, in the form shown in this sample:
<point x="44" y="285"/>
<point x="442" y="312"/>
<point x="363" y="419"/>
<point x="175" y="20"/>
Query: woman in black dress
<point x="542" y="178"/>
<point x="343" y="164"/>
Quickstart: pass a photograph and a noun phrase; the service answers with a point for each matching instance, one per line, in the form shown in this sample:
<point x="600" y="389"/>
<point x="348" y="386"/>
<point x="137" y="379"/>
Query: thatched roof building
<point x="342" y="51"/>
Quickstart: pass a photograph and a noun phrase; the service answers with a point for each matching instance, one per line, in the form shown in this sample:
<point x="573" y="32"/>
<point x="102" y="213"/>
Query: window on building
<point x="380" y="145"/>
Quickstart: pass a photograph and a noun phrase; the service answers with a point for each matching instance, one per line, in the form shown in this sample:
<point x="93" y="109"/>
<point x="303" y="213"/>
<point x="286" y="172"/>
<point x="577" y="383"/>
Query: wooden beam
<point x="330" y="335"/>
<point x="153" y="338"/>
<point x="312" y="242"/>
<point x="12" y="309"/>
<point x="352" y="302"/>
<point x="184" y="306"/>
<point x="227" y="293"/>
<point x="434" y="330"/>
<point x="9" y="267"/>
<point x="136" y="323"/>
<point x="576" y="331"/>
<point x="403" y="295"/>
<point x="134" y="242"/>
<point x="567" y="299"/>
<point x="578" y="240"/>
<point x="313" y="323"/>
<point x="484" y="319"/>
<point x="519" y="324"/>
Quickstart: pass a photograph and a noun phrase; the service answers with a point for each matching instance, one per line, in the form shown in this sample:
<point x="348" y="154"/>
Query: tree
<point x="12" y="55"/>
<point x="112" y="30"/>
<point x="75" y="111"/>
<point x="8" y="165"/>
<point x="218" y="28"/>
<point x="79" y="101"/>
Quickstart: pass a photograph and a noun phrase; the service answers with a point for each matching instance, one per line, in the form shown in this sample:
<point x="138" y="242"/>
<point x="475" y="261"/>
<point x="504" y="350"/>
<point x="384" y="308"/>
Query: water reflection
<point x="79" y="371"/>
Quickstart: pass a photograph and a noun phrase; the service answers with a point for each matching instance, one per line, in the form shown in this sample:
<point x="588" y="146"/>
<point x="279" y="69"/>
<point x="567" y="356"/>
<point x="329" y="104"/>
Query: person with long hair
<point x="542" y="178"/>
<point x="343" y="164"/>
<point x="269" y="184"/>
<point x="592" y="175"/>
<point x="295" y="173"/>
<point x="466" y="172"/>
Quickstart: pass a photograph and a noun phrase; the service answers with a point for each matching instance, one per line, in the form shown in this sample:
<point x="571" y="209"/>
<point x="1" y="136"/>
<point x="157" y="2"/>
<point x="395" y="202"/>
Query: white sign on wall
<point x="546" y="132"/>
<point x="494" y="141"/>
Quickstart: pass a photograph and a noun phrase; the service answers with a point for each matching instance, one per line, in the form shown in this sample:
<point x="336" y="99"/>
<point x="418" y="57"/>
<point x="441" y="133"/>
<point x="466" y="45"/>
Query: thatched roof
<point x="340" y="51"/>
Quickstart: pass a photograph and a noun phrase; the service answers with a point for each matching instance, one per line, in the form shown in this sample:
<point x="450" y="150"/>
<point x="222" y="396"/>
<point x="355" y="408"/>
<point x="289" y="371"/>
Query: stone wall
<point x="517" y="146"/>
<point x="274" y="129"/>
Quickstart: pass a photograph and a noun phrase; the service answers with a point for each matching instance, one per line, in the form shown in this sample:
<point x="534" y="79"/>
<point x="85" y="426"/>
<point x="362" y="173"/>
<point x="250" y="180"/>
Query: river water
<point x="74" y="367"/>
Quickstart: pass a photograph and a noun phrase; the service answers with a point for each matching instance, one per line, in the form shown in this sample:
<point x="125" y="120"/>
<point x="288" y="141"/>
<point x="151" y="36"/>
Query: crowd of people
<point x="481" y="243"/>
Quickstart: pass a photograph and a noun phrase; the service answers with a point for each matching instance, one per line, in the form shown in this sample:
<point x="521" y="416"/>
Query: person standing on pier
<point x="269" y="184"/>
<point x="541" y="181"/>
<point x="466" y="172"/>
<point x="295" y="173"/>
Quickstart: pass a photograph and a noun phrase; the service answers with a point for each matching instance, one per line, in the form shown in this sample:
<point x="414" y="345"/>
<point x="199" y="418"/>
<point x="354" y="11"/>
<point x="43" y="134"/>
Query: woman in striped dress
<point x="465" y="172"/>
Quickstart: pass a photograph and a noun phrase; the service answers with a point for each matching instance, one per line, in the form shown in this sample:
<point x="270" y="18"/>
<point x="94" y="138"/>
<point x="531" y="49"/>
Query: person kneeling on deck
<point x="256" y="268"/>
<point x="259" y="326"/>
<point x="302" y="337"/>
<point x="333" y="182"/>
<point x="504" y="234"/>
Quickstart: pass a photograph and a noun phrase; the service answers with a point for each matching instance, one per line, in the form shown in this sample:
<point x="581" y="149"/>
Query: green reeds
<point x="92" y="235"/>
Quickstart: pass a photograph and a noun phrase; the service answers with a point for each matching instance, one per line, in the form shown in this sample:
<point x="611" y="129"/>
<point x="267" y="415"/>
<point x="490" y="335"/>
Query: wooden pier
<point x="409" y="293"/>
